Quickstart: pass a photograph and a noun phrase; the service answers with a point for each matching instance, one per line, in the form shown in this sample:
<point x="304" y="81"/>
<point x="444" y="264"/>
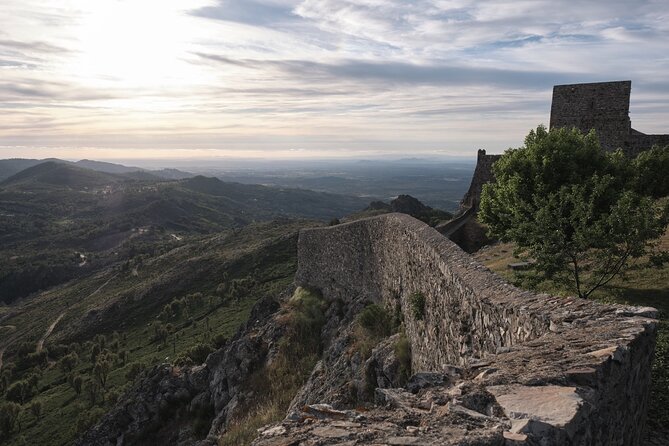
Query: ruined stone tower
<point x="603" y="106"/>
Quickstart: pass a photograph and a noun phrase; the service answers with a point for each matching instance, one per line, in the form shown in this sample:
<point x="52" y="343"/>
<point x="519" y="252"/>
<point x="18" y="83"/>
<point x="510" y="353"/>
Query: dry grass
<point x="275" y="385"/>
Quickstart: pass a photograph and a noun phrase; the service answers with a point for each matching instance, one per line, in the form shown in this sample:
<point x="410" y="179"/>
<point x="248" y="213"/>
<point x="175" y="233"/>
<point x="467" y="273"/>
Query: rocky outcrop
<point x="169" y="403"/>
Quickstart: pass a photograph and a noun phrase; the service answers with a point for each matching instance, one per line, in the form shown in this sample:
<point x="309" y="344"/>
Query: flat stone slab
<point x="554" y="405"/>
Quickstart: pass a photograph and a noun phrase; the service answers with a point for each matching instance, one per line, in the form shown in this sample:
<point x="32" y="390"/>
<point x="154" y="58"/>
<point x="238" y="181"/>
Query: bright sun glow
<point x="136" y="43"/>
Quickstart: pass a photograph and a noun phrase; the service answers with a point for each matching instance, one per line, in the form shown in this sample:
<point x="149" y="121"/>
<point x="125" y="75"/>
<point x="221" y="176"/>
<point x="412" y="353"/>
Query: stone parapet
<point x="564" y="370"/>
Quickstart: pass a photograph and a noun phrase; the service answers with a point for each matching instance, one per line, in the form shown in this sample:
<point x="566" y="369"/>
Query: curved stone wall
<point x="536" y="351"/>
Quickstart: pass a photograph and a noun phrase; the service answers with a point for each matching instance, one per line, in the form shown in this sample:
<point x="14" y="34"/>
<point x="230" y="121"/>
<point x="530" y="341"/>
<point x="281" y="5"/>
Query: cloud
<point x="406" y="73"/>
<point x="252" y="12"/>
<point x="31" y="46"/>
<point x="327" y="74"/>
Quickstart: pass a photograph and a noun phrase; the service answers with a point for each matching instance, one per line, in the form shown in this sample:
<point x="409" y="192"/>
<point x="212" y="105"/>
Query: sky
<point x="108" y="79"/>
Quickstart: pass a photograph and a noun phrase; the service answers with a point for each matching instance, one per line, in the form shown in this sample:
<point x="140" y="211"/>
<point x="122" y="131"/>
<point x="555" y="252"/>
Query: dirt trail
<point x="40" y="343"/>
<point x="103" y="285"/>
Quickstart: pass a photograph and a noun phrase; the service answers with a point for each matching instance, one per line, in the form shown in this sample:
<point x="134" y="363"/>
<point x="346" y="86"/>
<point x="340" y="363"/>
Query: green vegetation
<point x="121" y="321"/>
<point x="275" y="385"/>
<point x="417" y="304"/>
<point x="403" y="354"/>
<point x="9" y="418"/>
<point x="373" y="324"/>
<point x="580" y="213"/>
<point x="376" y="320"/>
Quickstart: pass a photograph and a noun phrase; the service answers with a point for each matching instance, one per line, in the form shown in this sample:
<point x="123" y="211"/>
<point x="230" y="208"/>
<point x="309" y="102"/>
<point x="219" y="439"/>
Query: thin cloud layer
<point x="330" y="77"/>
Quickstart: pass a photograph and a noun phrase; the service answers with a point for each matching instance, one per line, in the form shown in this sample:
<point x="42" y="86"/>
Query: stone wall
<point x="482" y="175"/>
<point x="640" y="142"/>
<point x="539" y="351"/>
<point x="603" y="106"/>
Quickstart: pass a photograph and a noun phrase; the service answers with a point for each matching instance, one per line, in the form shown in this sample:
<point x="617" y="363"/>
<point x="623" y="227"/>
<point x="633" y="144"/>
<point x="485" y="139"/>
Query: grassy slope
<point x="130" y="303"/>
<point x="641" y="285"/>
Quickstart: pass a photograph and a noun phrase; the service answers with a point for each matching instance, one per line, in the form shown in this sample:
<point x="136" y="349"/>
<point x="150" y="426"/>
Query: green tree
<point x="20" y="392"/>
<point x="93" y="390"/>
<point x="101" y="370"/>
<point x="68" y="362"/>
<point x="651" y="172"/>
<point x="76" y="382"/>
<point x="9" y="417"/>
<point x="36" y="409"/>
<point x="134" y="369"/>
<point x="95" y="351"/>
<point x="572" y="207"/>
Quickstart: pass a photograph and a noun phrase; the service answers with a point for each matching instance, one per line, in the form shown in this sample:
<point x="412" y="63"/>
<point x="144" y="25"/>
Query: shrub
<point x="76" y="382"/>
<point x="306" y="309"/>
<point x="36" y="409"/>
<point x="134" y="369"/>
<point x="403" y="355"/>
<point x="20" y="392"/>
<point x="68" y="362"/>
<point x="57" y="351"/>
<point x="375" y="319"/>
<point x="219" y="341"/>
<point x="197" y="354"/>
<point x="93" y="391"/>
<point x="417" y="304"/>
<point x="9" y="417"/>
<point x="373" y="324"/>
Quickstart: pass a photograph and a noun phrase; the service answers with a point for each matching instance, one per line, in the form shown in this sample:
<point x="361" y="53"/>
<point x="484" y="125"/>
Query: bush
<point x="36" y="409"/>
<point x="373" y="324"/>
<point x="9" y="417"/>
<point x="376" y="320"/>
<point x="417" y="304"/>
<point x="134" y="369"/>
<point x="219" y="341"/>
<point x="307" y="317"/>
<point x="68" y="362"/>
<point x="57" y="351"/>
<point x="403" y="355"/>
<point x="20" y="392"/>
<point x="197" y="354"/>
<point x="76" y="382"/>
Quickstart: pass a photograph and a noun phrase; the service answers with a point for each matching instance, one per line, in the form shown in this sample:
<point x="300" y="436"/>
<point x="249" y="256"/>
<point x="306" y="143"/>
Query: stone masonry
<point x="560" y="371"/>
<point x="603" y="106"/>
<point x="482" y="175"/>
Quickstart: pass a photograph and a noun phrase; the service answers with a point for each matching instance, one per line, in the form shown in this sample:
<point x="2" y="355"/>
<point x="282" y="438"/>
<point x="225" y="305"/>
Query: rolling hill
<point x="53" y="215"/>
<point x="9" y="167"/>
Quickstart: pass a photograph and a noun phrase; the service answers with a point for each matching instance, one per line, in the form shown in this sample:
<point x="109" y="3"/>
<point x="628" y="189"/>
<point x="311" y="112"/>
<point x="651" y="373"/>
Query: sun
<point x="136" y="43"/>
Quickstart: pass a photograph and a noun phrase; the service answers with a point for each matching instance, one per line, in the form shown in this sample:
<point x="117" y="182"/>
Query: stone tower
<point x="603" y="106"/>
